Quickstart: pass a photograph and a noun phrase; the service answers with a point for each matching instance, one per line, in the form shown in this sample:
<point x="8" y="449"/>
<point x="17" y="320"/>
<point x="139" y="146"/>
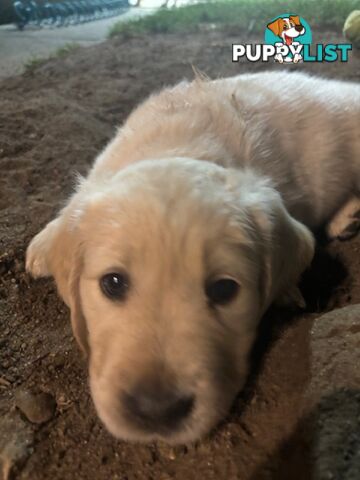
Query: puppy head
<point x="277" y="26"/>
<point x="287" y="28"/>
<point x="167" y="268"/>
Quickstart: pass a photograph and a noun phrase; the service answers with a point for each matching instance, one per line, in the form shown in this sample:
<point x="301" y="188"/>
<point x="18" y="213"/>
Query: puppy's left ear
<point x="56" y="251"/>
<point x="286" y="246"/>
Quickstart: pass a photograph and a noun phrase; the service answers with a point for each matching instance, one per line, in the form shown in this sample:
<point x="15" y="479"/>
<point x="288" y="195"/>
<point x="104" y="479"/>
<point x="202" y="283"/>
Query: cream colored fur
<point x="208" y="178"/>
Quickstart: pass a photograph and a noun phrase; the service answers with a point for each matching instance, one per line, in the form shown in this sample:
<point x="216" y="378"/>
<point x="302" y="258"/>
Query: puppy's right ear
<point x="57" y="251"/>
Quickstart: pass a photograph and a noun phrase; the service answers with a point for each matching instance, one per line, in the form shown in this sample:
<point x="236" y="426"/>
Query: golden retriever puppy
<point x="193" y="220"/>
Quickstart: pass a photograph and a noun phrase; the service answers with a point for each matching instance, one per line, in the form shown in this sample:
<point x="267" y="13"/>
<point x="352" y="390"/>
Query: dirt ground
<point x="53" y="121"/>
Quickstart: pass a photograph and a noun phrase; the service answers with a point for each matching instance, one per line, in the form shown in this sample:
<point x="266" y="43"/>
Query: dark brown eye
<point x="285" y="27"/>
<point x="221" y="291"/>
<point x="115" y="285"/>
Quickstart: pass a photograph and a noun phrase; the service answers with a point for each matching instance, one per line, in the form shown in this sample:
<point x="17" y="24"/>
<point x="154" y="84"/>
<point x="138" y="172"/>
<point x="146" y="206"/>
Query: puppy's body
<point x="195" y="213"/>
<point x="300" y="131"/>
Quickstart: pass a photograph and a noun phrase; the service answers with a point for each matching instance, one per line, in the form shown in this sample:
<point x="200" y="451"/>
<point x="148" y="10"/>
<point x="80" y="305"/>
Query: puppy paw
<point x="35" y="258"/>
<point x="291" y="298"/>
<point x="346" y="223"/>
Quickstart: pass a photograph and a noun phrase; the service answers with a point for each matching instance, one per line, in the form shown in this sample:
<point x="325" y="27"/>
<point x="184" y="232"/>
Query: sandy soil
<point x="53" y="122"/>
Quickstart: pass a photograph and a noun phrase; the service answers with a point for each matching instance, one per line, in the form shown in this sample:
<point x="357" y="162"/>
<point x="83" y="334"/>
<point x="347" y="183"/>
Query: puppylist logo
<point x="288" y="39"/>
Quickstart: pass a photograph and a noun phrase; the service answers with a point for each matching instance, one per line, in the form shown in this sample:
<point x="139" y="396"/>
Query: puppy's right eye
<point x="115" y="285"/>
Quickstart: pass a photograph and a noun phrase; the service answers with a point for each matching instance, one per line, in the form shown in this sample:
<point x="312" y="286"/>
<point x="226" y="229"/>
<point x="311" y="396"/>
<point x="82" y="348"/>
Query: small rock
<point x="37" y="408"/>
<point x="172" y="454"/>
<point x="59" y="361"/>
<point x="4" y="382"/>
<point x="16" y="441"/>
<point x="166" y="451"/>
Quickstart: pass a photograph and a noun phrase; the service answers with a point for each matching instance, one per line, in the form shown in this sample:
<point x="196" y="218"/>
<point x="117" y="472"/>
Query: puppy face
<point x="172" y="264"/>
<point x="287" y="28"/>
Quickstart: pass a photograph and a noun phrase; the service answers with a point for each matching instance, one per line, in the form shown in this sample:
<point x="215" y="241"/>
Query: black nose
<point x="298" y="28"/>
<point x="157" y="409"/>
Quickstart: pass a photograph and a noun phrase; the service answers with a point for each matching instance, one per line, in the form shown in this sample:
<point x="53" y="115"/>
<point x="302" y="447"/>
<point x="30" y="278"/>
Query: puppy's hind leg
<point x="346" y="222"/>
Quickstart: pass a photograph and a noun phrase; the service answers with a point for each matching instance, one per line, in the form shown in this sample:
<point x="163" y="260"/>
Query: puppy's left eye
<point x="115" y="285"/>
<point x="222" y="290"/>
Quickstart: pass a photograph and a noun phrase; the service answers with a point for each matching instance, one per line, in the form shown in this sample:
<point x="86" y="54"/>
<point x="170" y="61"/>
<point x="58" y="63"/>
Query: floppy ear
<point x="287" y="249"/>
<point x="276" y="26"/>
<point x="295" y="19"/>
<point x="56" y="252"/>
<point x="49" y="254"/>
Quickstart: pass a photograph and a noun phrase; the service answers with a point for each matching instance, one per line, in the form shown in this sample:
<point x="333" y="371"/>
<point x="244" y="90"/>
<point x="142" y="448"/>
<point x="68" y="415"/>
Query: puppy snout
<point x="157" y="409"/>
<point x="299" y="28"/>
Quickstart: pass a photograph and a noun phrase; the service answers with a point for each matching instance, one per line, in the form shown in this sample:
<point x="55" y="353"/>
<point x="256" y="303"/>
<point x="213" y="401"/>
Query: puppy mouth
<point x="288" y="40"/>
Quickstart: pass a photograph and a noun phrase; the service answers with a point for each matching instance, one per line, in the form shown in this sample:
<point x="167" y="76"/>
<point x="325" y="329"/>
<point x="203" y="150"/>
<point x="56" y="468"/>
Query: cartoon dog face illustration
<point x="287" y="28"/>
